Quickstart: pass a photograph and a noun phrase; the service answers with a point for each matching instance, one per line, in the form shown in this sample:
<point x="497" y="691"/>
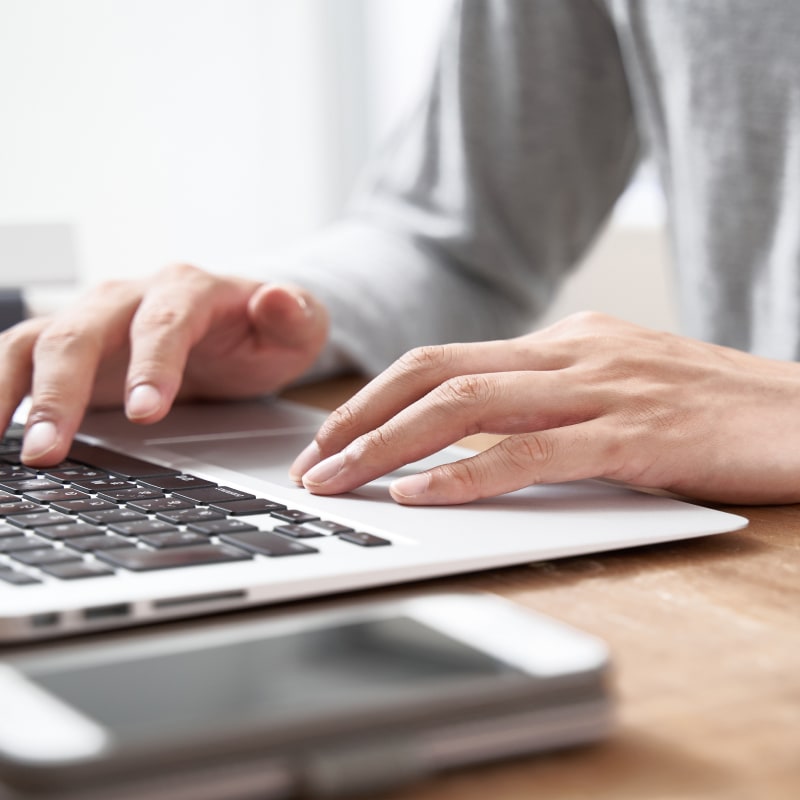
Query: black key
<point x="8" y="530"/>
<point x="175" y="539"/>
<point x="68" y="530"/>
<point x="139" y="560"/>
<point x="17" y="578"/>
<point x="13" y="544"/>
<point x="214" y="528"/>
<point x="79" y="506"/>
<point x="364" y="539"/>
<point x="297" y="531"/>
<point x="141" y="527"/>
<point x="14" y="432"/>
<point x="188" y="515"/>
<point x="6" y="497"/>
<point x="326" y="526"/>
<point x="128" y="495"/>
<point x="28" y="485"/>
<point x="89" y="544"/>
<point x="176" y="483"/>
<point x="160" y="503"/>
<point x="47" y="555"/>
<point x="267" y="544"/>
<point x="12" y="473"/>
<point x="77" y="569"/>
<point x="75" y="473"/>
<point x="241" y="508"/>
<point x="109" y="515"/>
<point x="55" y="495"/>
<point x="116" y="463"/>
<point x="39" y="519"/>
<point x="212" y="494"/>
<point x="293" y="515"/>
<point x="101" y="484"/>
<point x="20" y="507"/>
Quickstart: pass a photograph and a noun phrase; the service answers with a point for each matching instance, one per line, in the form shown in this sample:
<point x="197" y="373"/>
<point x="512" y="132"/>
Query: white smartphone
<point x="326" y="702"/>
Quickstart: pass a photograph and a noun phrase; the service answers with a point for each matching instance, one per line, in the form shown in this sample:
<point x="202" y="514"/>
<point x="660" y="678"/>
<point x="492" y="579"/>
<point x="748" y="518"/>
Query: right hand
<point x="182" y="334"/>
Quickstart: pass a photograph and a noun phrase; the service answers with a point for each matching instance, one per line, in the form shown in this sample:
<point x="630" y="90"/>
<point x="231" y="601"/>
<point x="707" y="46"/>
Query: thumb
<point x="287" y="315"/>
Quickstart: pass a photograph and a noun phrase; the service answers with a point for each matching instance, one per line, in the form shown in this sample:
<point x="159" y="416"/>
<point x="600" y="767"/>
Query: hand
<point x="588" y="397"/>
<point x="183" y="334"/>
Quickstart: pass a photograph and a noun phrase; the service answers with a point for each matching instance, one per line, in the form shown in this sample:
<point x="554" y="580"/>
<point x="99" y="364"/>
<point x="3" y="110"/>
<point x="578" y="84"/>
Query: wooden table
<point x="705" y="638"/>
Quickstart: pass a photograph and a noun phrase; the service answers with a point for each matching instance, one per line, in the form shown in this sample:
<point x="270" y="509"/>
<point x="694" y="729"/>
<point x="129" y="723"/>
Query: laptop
<point x="196" y="515"/>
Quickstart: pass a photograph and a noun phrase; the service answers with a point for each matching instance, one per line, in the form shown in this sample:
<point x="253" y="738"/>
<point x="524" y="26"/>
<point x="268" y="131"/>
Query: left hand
<point x="589" y="397"/>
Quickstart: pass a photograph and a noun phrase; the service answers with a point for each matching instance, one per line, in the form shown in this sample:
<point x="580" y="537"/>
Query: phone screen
<point x="273" y="680"/>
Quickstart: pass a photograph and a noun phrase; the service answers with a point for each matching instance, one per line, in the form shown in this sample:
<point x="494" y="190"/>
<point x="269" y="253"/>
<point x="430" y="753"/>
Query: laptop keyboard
<point x="102" y="512"/>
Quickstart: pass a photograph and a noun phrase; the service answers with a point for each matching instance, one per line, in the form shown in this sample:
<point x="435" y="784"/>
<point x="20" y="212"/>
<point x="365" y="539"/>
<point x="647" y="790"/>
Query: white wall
<point x="213" y="131"/>
<point x="165" y="129"/>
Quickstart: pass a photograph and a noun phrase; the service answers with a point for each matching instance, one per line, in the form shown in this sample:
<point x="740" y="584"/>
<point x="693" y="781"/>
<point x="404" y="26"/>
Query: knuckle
<point x="377" y="439"/>
<point x="340" y="421"/>
<point x="466" y="390"/>
<point x="180" y="272"/>
<point x="532" y="451"/>
<point x="110" y="288"/>
<point x="464" y="478"/>
<point x="429" y="358"/>
<point x="16" y="340"/>
<point x="47" y="405"/>
<point x="588" y="319"/>
<point x="180" y="269"/>
<point x="65" y="338"/>
<point x="162" y="317"/>
<point x="586" y="323"/>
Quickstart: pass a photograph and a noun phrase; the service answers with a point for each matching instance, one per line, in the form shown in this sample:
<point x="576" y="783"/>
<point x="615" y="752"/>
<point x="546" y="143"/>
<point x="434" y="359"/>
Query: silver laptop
<point x="196" y="515"/>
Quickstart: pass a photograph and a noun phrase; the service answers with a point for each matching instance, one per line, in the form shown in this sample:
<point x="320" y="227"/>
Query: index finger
<point x="16" y="354"/>
<point x="174" y="315"/>
<point x="506" y="403"/>
<point x="66" y="355"/>
<point x="409" y="379"/>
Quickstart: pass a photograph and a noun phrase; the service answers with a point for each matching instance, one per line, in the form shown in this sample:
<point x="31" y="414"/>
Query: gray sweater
<point x="481" y="203"/>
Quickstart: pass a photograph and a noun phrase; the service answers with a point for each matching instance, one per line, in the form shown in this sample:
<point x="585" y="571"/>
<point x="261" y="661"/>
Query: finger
<point x="288" y="316"/>
<point x="178" y="309"/>
<point x="66" y="355"/>
<point x="498" y="403"/>
<point x="413" y="376"/>
<point x="16" y="365"/>
<point x="586" y="450"/>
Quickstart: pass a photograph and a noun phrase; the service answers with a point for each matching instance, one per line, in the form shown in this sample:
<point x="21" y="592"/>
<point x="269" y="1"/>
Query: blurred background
<point x="140" y="132"/>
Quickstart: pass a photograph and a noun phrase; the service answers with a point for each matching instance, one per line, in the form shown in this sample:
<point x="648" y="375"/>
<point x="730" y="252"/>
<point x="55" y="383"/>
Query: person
<point x="457" y="238"/>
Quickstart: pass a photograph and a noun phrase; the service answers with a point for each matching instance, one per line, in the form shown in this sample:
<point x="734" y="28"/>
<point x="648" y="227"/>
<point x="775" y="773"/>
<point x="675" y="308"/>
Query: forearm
<point x="386" y="294"/>
<point x="466" y="223"/>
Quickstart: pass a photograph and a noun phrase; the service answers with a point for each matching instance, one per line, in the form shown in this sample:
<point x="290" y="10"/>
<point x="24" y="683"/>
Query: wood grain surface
<point x="705" y="639"/>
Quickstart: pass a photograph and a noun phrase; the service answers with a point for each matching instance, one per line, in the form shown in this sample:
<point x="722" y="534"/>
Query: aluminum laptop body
<point x="359" y="540"/>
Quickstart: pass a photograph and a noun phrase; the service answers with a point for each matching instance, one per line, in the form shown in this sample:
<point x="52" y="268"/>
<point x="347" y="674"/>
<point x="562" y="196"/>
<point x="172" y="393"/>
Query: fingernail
<point x="304" y="306"/>
<point x="309" y="456"/>
<point x="40" y="439"/>
<point x="324" y="471"/>
<point x="412" y="485"/>
<point x="143" y="401"/>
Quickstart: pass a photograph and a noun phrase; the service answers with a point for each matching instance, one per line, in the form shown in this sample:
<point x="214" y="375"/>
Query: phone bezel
<point x="555" y="663"/>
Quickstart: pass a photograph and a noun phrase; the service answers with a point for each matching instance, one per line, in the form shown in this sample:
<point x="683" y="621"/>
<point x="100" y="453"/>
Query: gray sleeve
<point x="476" y="208"/>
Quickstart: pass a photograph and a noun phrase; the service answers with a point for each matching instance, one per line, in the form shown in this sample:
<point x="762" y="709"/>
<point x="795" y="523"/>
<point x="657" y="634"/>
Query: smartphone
<point x="332" y="701"/>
